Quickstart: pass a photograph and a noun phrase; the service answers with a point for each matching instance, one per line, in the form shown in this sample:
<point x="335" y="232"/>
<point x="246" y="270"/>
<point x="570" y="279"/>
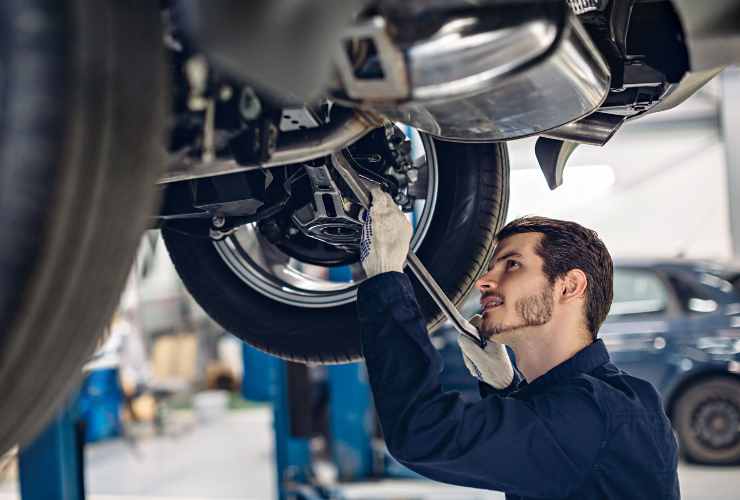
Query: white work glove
<point x="386" y="235"/>
<point x="491" y="364"/>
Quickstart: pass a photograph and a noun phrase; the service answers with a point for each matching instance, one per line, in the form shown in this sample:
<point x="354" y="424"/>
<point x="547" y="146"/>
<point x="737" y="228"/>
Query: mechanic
<point x="566" y="423"/>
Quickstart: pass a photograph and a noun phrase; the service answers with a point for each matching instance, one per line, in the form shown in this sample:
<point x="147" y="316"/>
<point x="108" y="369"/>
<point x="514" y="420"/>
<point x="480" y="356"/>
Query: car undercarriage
<point x="239" y="118"/>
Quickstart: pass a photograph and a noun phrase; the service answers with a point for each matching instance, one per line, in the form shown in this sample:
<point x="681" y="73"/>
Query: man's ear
<point x="575" y="282"/>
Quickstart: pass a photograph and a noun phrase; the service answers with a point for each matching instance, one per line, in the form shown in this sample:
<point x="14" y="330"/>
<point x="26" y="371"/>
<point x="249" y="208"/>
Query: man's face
<point x="515" y="293"/>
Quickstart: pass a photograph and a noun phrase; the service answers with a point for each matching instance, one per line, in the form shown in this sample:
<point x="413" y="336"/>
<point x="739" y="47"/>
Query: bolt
<point x="412" y="174"/>
<point x="250" y="106"/>
<point x="272" y="137"/>
<point x="225" y="93"/>
<point x="395" y="137"/>
<point x="218" y="221"/>
<point x="197" y="103"/>
<point x="196" y="71"/>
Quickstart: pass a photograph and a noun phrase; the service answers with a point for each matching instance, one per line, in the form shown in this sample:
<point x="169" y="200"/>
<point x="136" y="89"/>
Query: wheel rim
<point x="268" y="270"/>
<point x="716" y="424"/>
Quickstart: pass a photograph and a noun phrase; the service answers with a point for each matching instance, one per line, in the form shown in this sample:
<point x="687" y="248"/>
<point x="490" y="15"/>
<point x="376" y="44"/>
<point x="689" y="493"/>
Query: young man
<point x="569" y="425"/>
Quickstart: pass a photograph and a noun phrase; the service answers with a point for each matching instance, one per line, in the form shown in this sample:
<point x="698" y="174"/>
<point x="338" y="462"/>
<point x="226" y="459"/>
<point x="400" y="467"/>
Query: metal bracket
<point x="393" y="84"/>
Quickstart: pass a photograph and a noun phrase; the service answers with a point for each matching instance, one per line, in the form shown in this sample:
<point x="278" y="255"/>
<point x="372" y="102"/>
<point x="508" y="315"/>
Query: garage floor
<point x="232" y="459"/>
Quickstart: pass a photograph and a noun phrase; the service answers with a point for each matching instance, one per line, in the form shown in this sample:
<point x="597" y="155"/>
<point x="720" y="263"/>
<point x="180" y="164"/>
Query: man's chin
<point x="502" y="333"/>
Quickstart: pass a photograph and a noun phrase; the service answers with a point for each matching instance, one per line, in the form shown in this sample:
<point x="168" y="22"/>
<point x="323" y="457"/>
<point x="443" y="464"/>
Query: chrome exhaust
<point x="502" y="73"/>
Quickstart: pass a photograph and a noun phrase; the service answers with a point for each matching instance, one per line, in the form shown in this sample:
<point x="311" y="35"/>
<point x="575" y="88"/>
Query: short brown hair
<point x="566" y="245"/>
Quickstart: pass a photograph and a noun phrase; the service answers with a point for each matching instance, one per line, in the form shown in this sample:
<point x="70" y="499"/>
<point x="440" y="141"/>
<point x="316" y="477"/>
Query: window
<point x="637" y="292"/>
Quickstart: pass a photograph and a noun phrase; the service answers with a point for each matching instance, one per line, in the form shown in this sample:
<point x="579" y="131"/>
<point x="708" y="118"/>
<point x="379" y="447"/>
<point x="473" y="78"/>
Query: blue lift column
<point x="351" y="421"/>
<point x="52" y="466"/>
<point x="292" y="454"/>
<point x="267" y="378"/>
<point x="351" y="416"/>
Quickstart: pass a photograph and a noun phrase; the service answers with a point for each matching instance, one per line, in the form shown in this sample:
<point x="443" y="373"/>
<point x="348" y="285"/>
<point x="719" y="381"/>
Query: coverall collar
<point x="584" y="361"/>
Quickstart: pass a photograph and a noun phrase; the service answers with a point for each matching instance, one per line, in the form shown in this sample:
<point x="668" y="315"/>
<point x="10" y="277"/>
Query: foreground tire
<point x="707" y="420"/>
<point x="471" y="205"/>
<point x="81" y="129"/>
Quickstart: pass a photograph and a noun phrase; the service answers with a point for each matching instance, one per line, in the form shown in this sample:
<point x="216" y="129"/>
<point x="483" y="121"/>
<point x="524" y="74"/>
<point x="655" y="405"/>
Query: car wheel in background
<point x="707" y="419"/>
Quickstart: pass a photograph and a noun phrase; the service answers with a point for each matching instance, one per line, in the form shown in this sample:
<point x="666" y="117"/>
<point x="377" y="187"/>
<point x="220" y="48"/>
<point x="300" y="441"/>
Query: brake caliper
<point x="385" y="156"/>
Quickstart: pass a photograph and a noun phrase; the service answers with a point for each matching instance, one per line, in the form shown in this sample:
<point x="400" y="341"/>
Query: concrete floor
<point x="232" y="459"/>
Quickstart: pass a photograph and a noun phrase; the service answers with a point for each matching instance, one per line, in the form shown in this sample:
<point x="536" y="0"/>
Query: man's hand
<point x="386" y="234"/>
<point x="490" y="365"/>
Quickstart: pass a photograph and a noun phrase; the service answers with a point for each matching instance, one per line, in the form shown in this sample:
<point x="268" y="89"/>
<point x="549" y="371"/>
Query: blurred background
<point x="174" y="407"/>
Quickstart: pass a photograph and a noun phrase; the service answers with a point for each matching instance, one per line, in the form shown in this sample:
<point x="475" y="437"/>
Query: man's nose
<point x="486" y="282"/>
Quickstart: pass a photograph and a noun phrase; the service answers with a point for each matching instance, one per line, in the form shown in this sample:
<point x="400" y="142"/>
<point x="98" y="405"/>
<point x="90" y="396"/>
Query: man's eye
<point x="512" y="264"/>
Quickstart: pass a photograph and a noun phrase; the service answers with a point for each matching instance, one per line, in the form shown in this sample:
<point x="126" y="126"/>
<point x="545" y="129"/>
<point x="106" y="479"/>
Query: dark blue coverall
<point x="583" y="430"/>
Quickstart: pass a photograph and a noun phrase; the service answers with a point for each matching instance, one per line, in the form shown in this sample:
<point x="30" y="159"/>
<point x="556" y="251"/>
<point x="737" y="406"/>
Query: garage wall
<point x="658" y="188"/>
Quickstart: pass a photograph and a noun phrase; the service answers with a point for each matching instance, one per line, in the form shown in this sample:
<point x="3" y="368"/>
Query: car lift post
<point x="52" y="466"/>
<point x="287" y="390"/>
<point x="351" y="415"/>
<point x="351" y="421"/>
<point x="292" y="453"/>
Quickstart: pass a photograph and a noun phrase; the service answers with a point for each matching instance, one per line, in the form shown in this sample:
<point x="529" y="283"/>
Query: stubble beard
<point x="535" y="310"/>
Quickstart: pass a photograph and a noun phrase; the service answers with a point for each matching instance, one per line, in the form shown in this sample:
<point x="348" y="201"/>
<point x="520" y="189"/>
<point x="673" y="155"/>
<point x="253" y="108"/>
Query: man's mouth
<point x="491" y="302"/>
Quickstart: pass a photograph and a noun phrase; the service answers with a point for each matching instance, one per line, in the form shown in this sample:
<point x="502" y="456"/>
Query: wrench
<point x="463" y="326"/>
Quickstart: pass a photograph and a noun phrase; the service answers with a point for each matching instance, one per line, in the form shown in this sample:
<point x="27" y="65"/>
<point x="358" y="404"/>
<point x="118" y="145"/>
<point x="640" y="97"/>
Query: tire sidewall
<point x="81" y="148"/>
<point x="692" y="449"/>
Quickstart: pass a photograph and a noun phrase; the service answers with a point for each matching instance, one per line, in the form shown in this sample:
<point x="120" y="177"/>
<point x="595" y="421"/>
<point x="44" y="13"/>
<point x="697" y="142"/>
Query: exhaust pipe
<point x="492" y="74"/>
<point x="293" y="147"/>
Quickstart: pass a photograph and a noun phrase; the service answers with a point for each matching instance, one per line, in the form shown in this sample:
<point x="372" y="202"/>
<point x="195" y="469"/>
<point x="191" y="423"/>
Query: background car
<point x="675" y="323"/>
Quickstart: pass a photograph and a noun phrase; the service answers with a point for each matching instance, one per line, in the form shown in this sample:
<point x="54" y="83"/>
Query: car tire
<point x="81" y="141"/>
<point x="707" y="418"/>
<point x="471" y="206"/>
